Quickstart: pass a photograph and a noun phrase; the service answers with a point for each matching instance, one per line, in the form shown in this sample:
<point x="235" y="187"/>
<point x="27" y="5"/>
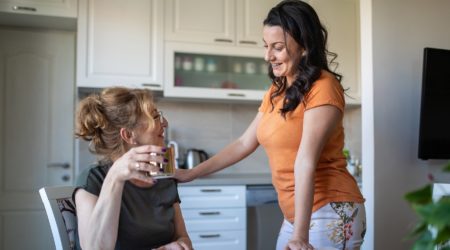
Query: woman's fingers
<point x="142" y="176"/>
<point x="147" y="157"/>
<point x="151" y="168"/>
<point x="149" y="149"/>
<point x="184" y="245"/>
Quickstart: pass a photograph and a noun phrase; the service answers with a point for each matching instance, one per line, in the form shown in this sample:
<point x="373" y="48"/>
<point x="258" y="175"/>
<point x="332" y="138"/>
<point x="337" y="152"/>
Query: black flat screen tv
<point x="434" y="132"/>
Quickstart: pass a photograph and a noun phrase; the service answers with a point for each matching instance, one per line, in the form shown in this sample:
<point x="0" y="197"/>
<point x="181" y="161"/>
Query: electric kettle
<point x="194" y="157"/>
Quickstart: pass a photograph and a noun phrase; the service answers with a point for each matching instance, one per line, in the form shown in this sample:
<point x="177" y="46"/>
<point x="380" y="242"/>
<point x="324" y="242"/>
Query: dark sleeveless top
<point x="146" y="214"/>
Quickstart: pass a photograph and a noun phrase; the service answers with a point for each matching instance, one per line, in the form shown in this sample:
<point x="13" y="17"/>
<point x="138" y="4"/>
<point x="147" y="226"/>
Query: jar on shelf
<point x="211" y="65"/>
<point x="264" y="68"/>
<point x="187" y="63"/>
<point x="199" y="64"/>
<point x="177" y="62"/>
<point x="250" y="68"/>
<point x="237" y="67"/>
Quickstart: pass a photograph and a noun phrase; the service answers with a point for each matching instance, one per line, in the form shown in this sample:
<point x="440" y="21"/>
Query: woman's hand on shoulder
<point x="135" y="164"/>
<point x="182" y="243"/>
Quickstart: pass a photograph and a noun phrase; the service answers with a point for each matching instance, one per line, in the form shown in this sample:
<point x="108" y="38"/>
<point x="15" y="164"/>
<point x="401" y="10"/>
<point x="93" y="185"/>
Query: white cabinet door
<point x="210" y="21"/>
<point x="36" y="130"/>
<point x="120" y="43"/>
<point x="229" y="22"/>
<point x="59" y="8"/>
<point x="250" y="15"/>
<point x="341" y="18"/>
<point x="249" y="85"/>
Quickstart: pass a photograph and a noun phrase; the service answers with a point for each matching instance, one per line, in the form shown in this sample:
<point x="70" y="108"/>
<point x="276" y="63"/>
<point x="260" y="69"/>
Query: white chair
<point x="60" y="210"/>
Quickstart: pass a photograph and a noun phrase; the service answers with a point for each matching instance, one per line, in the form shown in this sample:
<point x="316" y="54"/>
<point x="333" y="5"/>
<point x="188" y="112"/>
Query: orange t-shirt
<point x="281" y="140"/>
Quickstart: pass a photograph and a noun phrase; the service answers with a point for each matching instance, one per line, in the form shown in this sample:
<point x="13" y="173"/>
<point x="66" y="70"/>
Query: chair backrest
<point x="60" y="210"/>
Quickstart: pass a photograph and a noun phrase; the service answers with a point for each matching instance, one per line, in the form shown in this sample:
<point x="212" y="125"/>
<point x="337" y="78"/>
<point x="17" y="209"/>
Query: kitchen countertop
<point x="232" y="179"/>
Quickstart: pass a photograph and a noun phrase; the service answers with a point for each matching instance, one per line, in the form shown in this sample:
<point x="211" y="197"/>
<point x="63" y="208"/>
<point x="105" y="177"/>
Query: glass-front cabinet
<point x="215" y="72"/>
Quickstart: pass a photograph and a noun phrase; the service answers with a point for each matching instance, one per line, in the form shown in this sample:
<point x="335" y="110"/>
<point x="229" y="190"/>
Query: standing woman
<point x="119" y="205"/>
<point x="300" y="126"/>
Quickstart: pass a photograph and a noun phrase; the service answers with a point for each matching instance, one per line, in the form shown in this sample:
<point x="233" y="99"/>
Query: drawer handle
<point x="211" y="190"/>
<point x="223" y="40"/>
<point x="151" y="85"/>
<point x="248" y="42"/>
<point x="209" y="235"/>
<point x="236" y="94"/>
<point x="24" y="8"/>
<point x="209" y="213"/>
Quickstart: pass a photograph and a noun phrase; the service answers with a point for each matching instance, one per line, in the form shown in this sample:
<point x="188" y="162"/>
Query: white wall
<point x="400" y="30"/>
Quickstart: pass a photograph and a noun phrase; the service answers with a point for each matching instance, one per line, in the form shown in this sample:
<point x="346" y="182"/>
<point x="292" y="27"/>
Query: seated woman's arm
<point x="98" y="217"/>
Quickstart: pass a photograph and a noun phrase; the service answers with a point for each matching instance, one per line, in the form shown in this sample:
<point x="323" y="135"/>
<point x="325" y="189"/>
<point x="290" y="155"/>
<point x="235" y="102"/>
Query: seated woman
<point x="121" y="206"/>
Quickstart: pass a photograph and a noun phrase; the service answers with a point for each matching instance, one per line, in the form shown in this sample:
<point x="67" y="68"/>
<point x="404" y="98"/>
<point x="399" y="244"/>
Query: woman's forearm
<point x="234" y="152"/>
<point x="231" y="154"/>
<point x="304" y="197"/>
<point x="104" y="220"/>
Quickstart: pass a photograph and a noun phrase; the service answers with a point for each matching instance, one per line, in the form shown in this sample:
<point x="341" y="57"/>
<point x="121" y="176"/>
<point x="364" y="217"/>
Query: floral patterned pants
<point x="337" y="225"/>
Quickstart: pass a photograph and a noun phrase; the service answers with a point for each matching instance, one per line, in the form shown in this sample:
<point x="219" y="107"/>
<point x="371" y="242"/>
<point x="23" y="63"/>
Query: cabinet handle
<point x="209" y="213"/>
<point x="209" y="235"/>
<point x="236" y="94"/>
<point x="64" y="165"/>
<point x="151" y="85"/>
<point x="223" y="40"/>
<point x="248" y="42"/>
<point x="211" y="190"/>
<point x="24" y="8"/>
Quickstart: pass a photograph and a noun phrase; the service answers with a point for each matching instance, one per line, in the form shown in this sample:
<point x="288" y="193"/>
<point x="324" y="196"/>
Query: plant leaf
<point x="420" y="228"/>
<point x="440" y="214"/>
<point x="425" y="211"/>
<point x="443" y="236"/>
<point x="420" y="196"/>
<point x="424" y="242"/>
<point x="447" y="168"/>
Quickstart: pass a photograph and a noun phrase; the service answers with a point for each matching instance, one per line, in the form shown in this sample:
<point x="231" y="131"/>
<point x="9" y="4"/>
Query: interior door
<point x="36" y="127"/>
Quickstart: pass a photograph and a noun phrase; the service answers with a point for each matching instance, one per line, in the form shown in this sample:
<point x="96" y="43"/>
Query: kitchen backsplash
<point x="211" y="126"/>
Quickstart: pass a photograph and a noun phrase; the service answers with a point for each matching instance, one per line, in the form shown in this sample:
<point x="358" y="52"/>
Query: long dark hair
<point x="302" y="23"/>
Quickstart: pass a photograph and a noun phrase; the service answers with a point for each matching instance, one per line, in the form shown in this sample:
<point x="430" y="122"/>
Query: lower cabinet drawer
<point x="215" y="219"/>
<point x="219" y="240"/>
<point x="212" y="196"/>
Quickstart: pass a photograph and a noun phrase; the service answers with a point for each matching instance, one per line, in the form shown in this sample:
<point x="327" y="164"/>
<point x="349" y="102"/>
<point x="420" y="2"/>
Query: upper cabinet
<point x="207" y="71"/>
<point x="341" y="19"/>
<point x="58" y="8"/>
<point x="120" y="43"/>
<point x="228" y="22"/>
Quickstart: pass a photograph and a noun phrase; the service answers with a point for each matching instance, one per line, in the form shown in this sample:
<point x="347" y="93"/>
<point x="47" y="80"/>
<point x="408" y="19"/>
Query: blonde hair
<point x="101" y="116"/>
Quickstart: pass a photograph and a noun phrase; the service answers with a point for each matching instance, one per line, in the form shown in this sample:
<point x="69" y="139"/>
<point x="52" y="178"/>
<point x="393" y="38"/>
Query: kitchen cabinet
<point x="214" y="72"/>
<point x="120" y="43"/>
<point x="61" y="8"/>
<point x="341" y="19"/>
<point x="215" y="216"/>
<point x="227" y="22"/>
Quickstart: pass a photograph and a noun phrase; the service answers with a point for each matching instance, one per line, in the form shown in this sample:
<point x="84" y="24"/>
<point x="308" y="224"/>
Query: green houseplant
<point x="433" y="228"/>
